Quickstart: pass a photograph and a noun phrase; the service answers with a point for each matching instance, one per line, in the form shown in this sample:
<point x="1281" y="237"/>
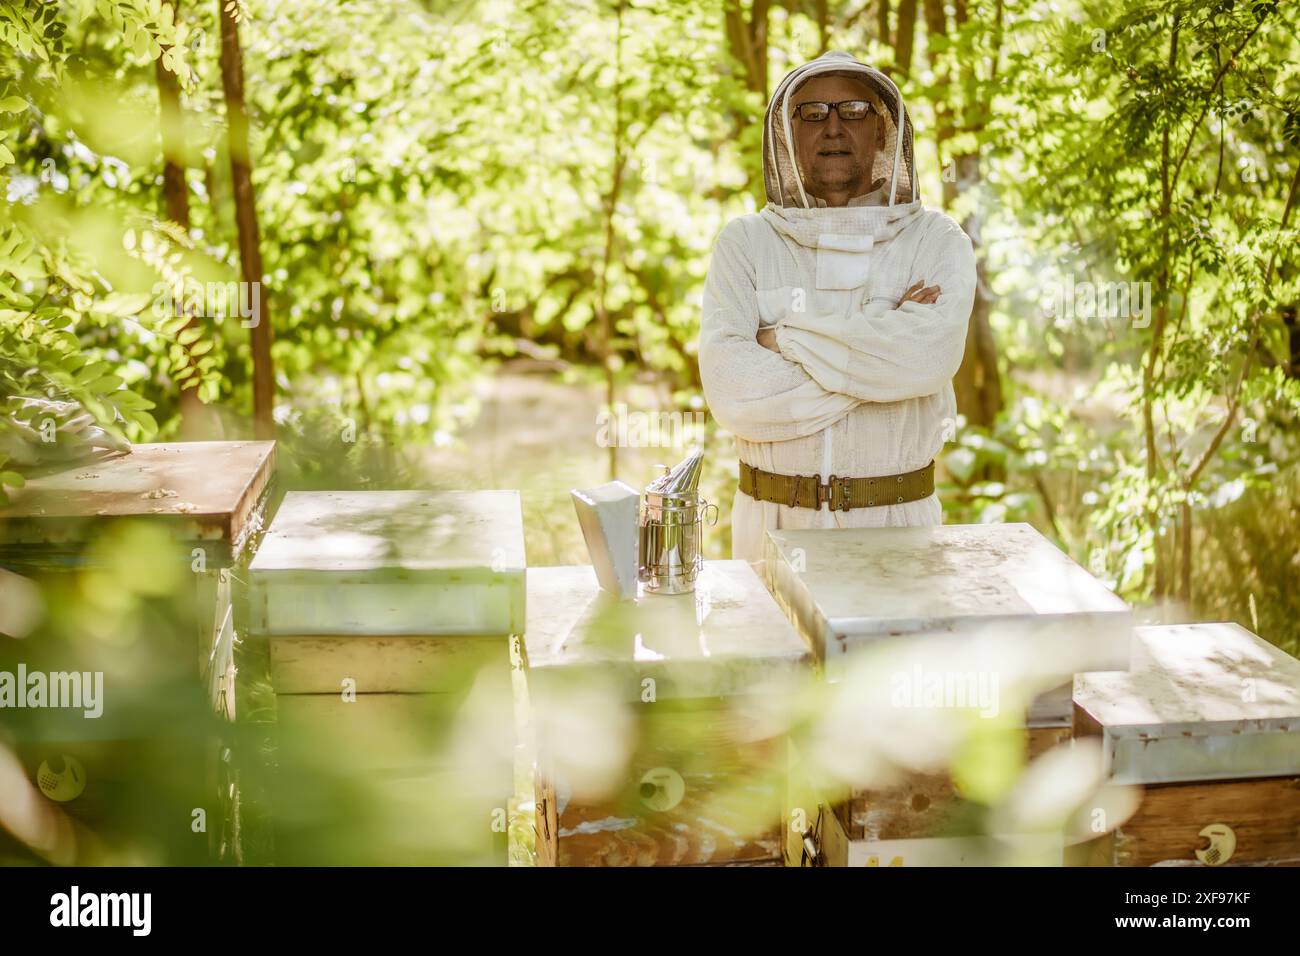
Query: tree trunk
<point x="1163" y="585"/>
<point x="882" y="21"/>
<point x="936" y="25"/>
<point x="176" y="200"/>
<point x="978" y="384"/>
<point x="905" y="37"/>
<point x="198" y="422"/>
<point x="250" y="252"/>
<point x="1185" y="546"/>
<point x="747" y="41"/>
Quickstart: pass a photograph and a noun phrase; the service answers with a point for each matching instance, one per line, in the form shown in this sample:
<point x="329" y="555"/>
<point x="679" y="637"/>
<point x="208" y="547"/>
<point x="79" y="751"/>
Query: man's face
<point x="835" y="156"/>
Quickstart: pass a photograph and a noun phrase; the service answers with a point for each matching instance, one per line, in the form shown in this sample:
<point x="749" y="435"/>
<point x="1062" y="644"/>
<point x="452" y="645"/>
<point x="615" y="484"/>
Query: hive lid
<point x="729" y="637"/>
<point x="1204" y="702"/>
<point x="209" y="494"/>
<point x="391" y="562"/>
<point x="845" y="588"/>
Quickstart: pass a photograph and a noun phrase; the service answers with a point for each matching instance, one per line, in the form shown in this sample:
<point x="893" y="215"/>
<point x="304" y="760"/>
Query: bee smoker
<point x="670" y="531"/>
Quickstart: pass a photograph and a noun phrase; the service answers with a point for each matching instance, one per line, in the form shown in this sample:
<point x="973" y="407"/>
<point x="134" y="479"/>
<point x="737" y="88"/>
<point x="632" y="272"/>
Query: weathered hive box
<point x="916" y="822"/>
<point x="210" y="495"/>
<point x="851" y="591"/>
<point x="1208" y="723"/>
<point x="389" y="617"/>
<point x="336" y="562"/>
<point x="661" y="725"/>
<point x="847" y="588"/>
<point x="210" y="498"/>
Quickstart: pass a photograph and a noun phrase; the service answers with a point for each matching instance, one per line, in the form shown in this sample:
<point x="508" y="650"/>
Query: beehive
<point x="210" y="495"/>
<point x="846" y="588"/>
<point x="850" y="591"/>
<point x="660" y="734"/>
<point x="210" y="498"/>
<point x="1208" y="723"/>
<point x="912" y="823"/>
<point x="389" y="617"/>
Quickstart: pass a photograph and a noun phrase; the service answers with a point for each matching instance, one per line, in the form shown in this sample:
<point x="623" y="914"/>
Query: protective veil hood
<point x="893" y="163"/>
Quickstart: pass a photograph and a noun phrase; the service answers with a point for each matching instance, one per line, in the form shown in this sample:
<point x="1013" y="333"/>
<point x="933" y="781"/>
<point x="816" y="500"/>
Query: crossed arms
<point x="828" y="364"/>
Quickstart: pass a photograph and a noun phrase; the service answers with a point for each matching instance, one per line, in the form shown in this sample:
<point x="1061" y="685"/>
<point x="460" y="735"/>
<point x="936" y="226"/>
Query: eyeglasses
<point x="847" y="110"/>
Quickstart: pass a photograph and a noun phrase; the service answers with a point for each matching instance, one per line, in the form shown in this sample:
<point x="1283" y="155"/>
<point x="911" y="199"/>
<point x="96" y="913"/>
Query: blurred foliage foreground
<point x="157" y="778"/>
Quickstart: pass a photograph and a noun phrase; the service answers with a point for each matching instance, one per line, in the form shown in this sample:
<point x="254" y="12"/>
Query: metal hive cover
<point x="391" y="562"/>
<point x="847" y="588"/>
<point x="1203" y="702"/>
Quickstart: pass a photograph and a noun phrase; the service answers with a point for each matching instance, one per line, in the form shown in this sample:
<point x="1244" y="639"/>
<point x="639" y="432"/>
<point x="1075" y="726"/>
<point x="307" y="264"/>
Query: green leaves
<point x="120" y="305"/>
<point x="54" y="356"/>
<point x="1165" y="158"/>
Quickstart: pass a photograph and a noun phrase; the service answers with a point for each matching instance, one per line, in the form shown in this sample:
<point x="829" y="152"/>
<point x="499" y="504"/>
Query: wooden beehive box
<point x="211" y="495"/>
<point x="347" y="562"/>
<point x="915" y="822"/>
<point x="659" y="724"/>
<point x="1208" y="723"/>
<point x="389" y="617"/>
<point x="845" y="588"/>
<point x="210" y="498"/>
<point x="851" y="590"/>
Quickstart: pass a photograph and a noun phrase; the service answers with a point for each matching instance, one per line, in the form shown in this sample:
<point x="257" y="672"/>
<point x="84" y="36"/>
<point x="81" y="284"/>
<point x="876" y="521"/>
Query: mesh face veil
<point x="893" y="161"/>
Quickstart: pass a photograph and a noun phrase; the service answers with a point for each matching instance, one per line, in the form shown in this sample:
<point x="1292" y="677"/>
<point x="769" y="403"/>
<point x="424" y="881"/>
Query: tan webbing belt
<point x="841" y="494"/>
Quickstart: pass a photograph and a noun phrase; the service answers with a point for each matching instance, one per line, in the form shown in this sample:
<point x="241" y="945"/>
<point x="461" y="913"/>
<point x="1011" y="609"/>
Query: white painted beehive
<point x="650" y="747"/>
<point x="1208" y="725"/>
<point x="848" y="588"/>
<point x="391" y="562"/>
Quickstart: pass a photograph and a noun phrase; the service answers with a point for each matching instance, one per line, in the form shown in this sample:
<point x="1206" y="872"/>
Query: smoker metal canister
<point x="670" y="538"/>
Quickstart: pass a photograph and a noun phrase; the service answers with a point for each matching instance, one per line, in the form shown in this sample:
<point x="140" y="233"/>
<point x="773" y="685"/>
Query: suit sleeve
<point x="906" y="352"/>
<point x="753" y="392"/>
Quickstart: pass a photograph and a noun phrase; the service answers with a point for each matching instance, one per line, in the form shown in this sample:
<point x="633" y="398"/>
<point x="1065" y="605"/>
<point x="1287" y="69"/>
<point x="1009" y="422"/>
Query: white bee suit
<point x="862" y="386"/>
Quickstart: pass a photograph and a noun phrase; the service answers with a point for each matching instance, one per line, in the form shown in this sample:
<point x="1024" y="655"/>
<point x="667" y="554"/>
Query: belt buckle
<point x="826" y="493"/>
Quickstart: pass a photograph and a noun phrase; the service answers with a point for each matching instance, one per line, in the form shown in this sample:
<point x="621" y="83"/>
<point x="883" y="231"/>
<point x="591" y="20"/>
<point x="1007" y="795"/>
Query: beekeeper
<point x="835" y="318"/>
